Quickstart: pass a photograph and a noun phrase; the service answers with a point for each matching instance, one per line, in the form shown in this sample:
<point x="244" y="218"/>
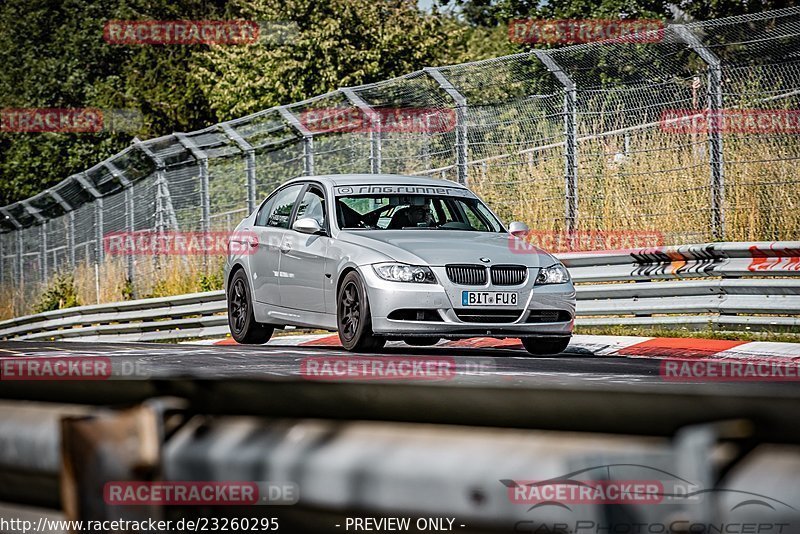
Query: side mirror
<point x="517" y="228"/>
<point x="307" y="225"/>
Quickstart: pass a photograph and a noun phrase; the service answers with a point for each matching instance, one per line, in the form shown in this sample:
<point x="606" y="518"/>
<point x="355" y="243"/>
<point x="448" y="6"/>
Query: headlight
<point x="555" y="274"/>
<point x="400" y="272"/>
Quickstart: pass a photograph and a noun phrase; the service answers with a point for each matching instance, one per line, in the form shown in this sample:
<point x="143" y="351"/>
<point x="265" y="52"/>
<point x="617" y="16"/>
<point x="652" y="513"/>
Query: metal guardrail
<point x="718" y="285"/>
<point x="333" y="444"/>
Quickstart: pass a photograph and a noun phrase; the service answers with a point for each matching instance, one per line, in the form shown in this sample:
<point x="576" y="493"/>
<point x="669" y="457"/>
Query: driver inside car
<point x="411" y="216"/>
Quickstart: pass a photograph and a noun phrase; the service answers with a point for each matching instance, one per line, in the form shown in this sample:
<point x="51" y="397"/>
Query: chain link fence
<point x="568" y="140"/>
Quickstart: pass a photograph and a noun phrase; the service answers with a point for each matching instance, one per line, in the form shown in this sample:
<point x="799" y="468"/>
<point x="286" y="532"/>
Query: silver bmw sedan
<point x="378" y="257"/>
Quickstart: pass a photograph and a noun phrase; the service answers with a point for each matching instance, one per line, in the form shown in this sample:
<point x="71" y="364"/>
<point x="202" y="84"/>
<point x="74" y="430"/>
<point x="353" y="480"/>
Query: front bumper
<point x="387" y="297"/>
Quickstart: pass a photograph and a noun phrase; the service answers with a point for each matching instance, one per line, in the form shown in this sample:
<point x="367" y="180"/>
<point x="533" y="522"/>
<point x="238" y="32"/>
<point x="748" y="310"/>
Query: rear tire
<point x="353" y="316"/>
<point x="421" y="341"/>
<point x="545" y="345"/>
<point x="241" y="319"/>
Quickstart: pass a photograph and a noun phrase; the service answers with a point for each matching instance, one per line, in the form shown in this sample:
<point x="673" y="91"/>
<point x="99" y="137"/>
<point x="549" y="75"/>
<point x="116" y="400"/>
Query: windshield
<point x="403" y="212"/>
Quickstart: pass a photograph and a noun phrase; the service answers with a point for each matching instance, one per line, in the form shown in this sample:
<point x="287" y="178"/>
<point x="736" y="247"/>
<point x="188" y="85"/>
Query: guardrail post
<point x="308" y="139"/>
<point x="715" y="106"/>
<point x="570" y="140"/>
<point x="250" y="163"/>
<point x="375" y="141"/>
<point x="462" y="143"/>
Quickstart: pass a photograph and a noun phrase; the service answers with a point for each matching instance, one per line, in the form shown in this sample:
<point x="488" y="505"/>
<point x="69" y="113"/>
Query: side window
<point x="261" y="218"/>
<point x="312" y="205"/>
<point x="281" y="208"/>
<point x="474" y="221"/>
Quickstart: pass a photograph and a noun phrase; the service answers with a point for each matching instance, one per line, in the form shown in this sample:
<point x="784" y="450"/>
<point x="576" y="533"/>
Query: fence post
<point x="375" y="141"/>
<point x="5" y="213"/>
<point x="462" y="143"/>
<point x="20" y="261"/>
<point x="83" y="179"/>
<point x="71" y="238"/>
<point x="308" y="139"/>
<point x="43" y="256"/>
<point x="250" y="163"/>
<point x="70" y="226"/>
<point x="715" y="107"/>
<point x="129" y="212"/>
<point x="42" y="238"/>
<point x="205" y="199"/>
<point x="570" y="140"/>
<point x="163" y="198"/>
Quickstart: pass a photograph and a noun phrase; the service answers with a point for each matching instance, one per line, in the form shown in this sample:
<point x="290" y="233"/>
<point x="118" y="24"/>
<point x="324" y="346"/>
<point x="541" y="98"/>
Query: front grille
<point x="509" y="275"/>
<point x="467" y="275"/>
<point x="548" y="316"/>
<point x="491" y="315"/>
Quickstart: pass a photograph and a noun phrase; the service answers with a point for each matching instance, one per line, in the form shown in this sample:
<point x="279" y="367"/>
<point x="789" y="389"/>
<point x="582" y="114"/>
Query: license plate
<point x="488" y="298"/>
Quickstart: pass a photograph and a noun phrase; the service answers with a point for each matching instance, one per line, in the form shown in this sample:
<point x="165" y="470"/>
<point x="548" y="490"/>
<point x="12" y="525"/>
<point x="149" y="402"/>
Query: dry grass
<point x="155" y="277"/>
<point x="661" y="184"/>
<point x="112" y="280"/>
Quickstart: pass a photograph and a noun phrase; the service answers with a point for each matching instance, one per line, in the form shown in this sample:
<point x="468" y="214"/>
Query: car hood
<point x="440" y="247"/>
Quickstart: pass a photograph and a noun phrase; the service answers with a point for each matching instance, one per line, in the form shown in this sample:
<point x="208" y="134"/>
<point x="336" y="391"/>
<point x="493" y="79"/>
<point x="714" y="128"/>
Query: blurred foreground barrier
<point x="726" y="286"/>
<point x="58" y="460"/>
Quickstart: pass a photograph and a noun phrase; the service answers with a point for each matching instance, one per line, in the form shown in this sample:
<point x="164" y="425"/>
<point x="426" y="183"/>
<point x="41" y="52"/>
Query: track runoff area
<point x="613" y="359"/>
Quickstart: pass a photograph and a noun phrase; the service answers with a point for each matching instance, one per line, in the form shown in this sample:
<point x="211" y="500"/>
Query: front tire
<point x="241" y="319"/>
<point x="545" y="345"/>
<point x="353" y="316"/>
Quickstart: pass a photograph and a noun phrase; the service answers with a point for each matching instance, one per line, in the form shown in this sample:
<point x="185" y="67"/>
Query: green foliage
<point x="54" y="56"/>
<point x="60" y="294"/>
<point x="127" y="290"/>
<point x="493" y="12"/>
<point x="214" y="280"/>
<point x="337" y="43"/>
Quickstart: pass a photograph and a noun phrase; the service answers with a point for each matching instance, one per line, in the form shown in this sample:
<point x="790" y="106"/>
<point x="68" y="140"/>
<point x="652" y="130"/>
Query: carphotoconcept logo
<point x="637" y="486"/>
<point x="573" y="31"/>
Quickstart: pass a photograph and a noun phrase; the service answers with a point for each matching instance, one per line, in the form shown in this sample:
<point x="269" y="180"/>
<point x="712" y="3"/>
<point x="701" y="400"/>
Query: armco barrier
<point x="733" y="286"/>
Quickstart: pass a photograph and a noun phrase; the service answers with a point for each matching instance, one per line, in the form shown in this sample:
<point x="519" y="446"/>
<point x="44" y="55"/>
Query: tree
<point x="331" y="44"/>
<point x="494" y="12"/>
<point x="54" y="56"/>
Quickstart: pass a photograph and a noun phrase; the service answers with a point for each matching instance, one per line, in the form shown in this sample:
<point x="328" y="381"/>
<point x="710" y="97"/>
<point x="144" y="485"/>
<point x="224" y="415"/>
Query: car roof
<point x="376" y="179"/>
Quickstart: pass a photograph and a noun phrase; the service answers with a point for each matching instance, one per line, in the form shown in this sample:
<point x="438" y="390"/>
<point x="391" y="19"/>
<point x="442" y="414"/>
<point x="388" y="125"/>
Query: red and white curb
<point x="627" y="346"/>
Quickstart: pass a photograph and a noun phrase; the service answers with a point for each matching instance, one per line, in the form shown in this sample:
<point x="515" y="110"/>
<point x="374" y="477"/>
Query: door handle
<point x="286" y="247"/>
